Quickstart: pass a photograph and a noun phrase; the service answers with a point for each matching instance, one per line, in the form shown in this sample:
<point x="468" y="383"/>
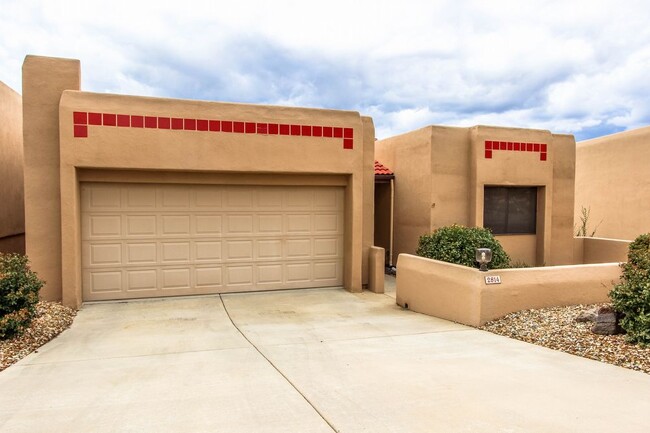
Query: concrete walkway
<point x="306" y="361"/>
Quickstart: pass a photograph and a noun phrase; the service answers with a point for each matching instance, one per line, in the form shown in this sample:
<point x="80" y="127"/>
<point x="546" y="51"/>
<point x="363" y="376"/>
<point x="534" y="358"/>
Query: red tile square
<point x="515" y="146"/>
<point x="189" y="124"/>
<point x="80" y="131"/>
<point x="348" y="143"/>
<point x="348" y="133"/>
<point x="295" y="129"/>
<point x="150" y="122"/>
<point x="215" y="125"/>
<point x="177" y="123"/>
<point x="529" y="147"/>
<point x="536" y="147"/>
<point x="109" y="119"/>
<point x="80" y="118"/>
<point x="95" y="118"/>
<point x="488" y="145"/>
<point x="238" y="127"/>
<point x="543" y="148"/>
<point x="317" y="131"/>
<point x="522" y="147"/>
<point x="306" y="131"/>
<point x="542" y="156"/>
<point x="328" y="131"/>
<point x="251" y="128"/>
<point x="164" y="123"/>
<point x="123" y="120"/>
<point x="510" y="145"/>
<point x="488" y="154"/>
<point x="226" y="126"/>
<point x="137" y="121"/>
<point x="201" y="125"/>
<point x="338" y="132"/>
<point x="285" y="129"/>
<point x="274" y="129"/>
<point x="262" y="128"/>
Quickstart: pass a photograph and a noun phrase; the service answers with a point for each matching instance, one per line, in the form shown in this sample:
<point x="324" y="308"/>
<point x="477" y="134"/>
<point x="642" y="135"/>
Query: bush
<point x="19" y="287"/>
<point x="457" y="244"/>
<point x="631" y="297"/>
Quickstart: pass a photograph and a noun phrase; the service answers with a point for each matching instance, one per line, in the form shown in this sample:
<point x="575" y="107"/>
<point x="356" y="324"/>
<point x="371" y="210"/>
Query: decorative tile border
<point x="494" y="146"/>
<point x="82" y="120"/>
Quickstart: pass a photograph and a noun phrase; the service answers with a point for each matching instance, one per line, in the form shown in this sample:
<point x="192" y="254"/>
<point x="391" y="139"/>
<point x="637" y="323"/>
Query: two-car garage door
<point x="143" y="240"/>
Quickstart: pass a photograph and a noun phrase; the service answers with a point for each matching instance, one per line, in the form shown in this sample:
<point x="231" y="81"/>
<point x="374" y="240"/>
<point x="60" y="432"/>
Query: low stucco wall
<point x="600" y="250"/>
<point x="460" y="293"/>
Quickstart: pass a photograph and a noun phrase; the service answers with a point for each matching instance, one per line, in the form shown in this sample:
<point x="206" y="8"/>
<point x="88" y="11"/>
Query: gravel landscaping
<point x="556" y="328"/>
<point x="51" y="319"/>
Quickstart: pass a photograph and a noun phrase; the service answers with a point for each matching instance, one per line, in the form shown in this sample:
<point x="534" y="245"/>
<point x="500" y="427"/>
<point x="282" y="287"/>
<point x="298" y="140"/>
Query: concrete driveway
<point x="306" y="361"/>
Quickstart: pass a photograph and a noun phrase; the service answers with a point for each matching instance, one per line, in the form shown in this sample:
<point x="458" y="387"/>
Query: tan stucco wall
<point x="12" y="211"/>
<point x="409" y="157"/>
<point x="599" y="250"/>
<point x="460" y="293"/>
<point x="612" y="180"/>
<point x="441" y="173"/>
<point x="44" y="80"/>
<point x="124" y="153"/>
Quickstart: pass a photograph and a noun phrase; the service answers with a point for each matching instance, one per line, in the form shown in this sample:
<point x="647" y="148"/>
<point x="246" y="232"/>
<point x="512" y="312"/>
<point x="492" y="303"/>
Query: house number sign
<point x="493" y="279"/>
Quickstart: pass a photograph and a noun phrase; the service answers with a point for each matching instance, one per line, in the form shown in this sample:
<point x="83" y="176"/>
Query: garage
<point x="153" y="240"/>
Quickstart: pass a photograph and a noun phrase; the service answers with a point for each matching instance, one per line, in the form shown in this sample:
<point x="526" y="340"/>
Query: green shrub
<point x="631" y="297"/>
<point x="457" y="244"/>
<point x="19" y="287"/>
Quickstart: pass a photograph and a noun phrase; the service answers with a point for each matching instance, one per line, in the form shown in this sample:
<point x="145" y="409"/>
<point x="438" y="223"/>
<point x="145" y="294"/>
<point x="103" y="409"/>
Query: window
<point x="510" y="210"/>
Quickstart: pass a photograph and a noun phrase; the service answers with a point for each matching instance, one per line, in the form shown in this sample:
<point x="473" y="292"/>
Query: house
<point x="132" y="197"/>
<point x="612" y="182"/>
<point x="517" y="182"/>
<point x="12" y="214"/>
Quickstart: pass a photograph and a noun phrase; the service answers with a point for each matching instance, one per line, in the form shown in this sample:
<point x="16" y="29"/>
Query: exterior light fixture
<point x="483" y="257"/>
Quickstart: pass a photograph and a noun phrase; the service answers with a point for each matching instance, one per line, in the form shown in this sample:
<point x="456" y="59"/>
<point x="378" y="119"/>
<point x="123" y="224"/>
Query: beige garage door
<point x="141" y="240"/>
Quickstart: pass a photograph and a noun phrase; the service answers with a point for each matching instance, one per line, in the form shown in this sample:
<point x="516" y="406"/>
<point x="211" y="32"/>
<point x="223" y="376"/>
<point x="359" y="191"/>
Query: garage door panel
<point x="207" y="251"/>
<point x="141" y="280"/>
<point x="239" y="250"/>
<point x="208" y="224"/>
<point x="239" y="275"/>
<point x="175" y="225"/>
<point x="176" y="278"/>
<point x="176" y="197"/>
<point x="239" y="225"/>
<point x="166" y="240"/>
<point x="141" y="225"/>
<point x="140" y="197"/>
<point x="175" y="252"/>
<point x="208" y="277"/>
<point x="105" y="254"/>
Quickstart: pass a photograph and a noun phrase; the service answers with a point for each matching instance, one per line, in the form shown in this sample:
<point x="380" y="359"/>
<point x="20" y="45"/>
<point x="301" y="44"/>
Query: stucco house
<point x="518" y="182"/>
<point x="131" y="197"/>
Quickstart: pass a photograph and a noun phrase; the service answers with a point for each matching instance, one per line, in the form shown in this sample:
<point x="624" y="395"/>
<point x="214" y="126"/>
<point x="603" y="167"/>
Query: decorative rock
<point x="606" y="322"/>
<point x="587" y="315"/>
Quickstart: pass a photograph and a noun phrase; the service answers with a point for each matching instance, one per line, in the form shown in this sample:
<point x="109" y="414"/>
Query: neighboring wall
<point x="612" y="181"/>
<point x="12" y="211"/>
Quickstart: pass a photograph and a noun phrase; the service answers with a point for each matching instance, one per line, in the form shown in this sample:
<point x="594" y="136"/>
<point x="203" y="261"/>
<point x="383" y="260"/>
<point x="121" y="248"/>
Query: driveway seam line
<point x="276" y="368"/>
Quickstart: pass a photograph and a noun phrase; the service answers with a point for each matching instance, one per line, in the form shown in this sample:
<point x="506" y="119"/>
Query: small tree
<point x="582" y="228"/>
<point x="632" y="296"/>
<point x="19" y="287"/>
<point x="457" y="244"/>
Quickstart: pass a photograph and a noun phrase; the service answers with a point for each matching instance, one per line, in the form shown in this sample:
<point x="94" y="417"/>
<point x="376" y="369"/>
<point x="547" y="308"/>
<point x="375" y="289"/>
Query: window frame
<point x="508" y="189"/>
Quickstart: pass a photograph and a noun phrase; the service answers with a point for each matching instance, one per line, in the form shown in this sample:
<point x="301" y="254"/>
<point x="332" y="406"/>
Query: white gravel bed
<point x="557" y="329"/>
<point x="51" y="319"/>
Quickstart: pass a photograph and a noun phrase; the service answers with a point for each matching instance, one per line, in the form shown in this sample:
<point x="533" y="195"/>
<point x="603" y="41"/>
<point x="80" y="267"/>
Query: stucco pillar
<point x="44" y="80"/>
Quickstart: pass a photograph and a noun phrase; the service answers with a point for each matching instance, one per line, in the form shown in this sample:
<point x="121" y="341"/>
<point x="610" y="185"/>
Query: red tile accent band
<point x="492" y="146"/>
<point x="81" y="121"/>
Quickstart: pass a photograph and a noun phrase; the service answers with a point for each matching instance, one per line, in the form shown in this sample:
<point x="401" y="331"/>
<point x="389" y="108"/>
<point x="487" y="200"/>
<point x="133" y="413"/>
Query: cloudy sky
<point x="580" y="67"/>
